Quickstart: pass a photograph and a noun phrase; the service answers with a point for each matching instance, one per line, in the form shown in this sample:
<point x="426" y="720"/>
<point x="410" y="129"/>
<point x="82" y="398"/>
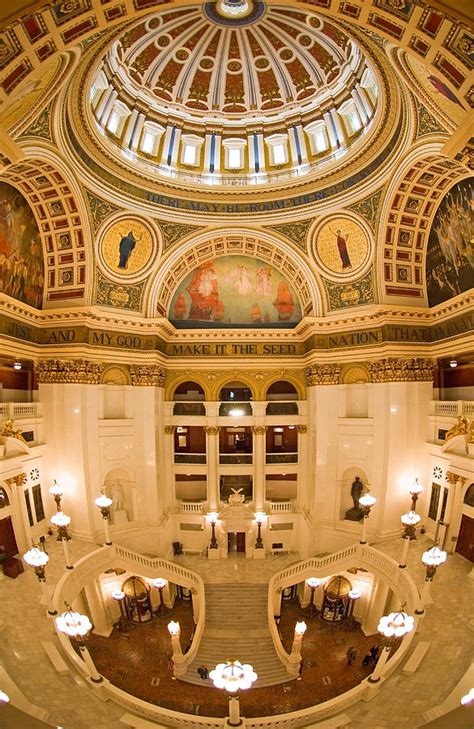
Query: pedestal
<point x="120" y="517"/>
<point x="258" y="554"/>
<point x="213" y="553"/>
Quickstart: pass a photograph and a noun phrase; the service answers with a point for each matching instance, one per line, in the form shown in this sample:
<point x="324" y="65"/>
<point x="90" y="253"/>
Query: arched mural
<point x="235" y="291"/>
<point x="450" y="255"/>
<point x="21" y="253"/>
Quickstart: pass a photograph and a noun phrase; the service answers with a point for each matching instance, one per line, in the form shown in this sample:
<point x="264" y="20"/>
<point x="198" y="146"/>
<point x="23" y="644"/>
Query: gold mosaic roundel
<point x="127" y="247"/>
<point x="342" y="246"/>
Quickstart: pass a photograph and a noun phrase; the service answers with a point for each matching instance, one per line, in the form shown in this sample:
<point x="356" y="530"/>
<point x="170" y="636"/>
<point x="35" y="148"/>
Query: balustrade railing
<point x="235" y="458"/>
<point x="17" y="410"/>
<point x="191" y="507"/>
<point x="453" y="408"/>
<point x="281" y="458"/>
<point x="279" y="507"/>
<point x="190" y="458"/>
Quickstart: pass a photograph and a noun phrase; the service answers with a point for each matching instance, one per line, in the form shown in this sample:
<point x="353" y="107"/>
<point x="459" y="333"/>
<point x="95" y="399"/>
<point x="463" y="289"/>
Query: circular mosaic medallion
<point x="126" y="247"/>
<point x="342" y="247"/>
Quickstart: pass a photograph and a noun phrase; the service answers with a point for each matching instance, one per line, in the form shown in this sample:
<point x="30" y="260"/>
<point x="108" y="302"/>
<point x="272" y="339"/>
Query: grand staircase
<point x="237" y="629"/>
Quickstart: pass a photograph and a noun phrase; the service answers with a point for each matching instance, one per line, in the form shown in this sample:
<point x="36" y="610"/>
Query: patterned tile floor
<point x="400" y="702"/>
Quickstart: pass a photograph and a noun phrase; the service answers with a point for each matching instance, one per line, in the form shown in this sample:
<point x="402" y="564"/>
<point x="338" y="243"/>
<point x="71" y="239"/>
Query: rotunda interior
<point x="236" y="363"/>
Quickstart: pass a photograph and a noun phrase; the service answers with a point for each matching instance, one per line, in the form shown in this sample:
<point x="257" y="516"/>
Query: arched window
<point x="281" y="396"/>
<point x="187" y="396"/>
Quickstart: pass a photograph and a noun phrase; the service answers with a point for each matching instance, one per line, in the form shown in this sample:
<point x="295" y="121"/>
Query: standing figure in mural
<point x="240" y="276"/>
<point x="341" y="241"/>
<point x="264" y="281"/>
<point x="126" y="246"/>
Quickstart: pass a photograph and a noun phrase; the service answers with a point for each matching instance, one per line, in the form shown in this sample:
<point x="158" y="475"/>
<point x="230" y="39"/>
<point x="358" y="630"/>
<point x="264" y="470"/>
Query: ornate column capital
<point x="454" y="478"/>
<point x="322" y="374"/>
<point x="147" y="375"/>
<point x="397" y="369"/>
<point x="212" y="429"/>
<point x="169" y="429"/>
<point x="259" y="429"/>
<point x="302" y="429"/>
<point x="77" y="371"/>
<point x="19" y="480"/>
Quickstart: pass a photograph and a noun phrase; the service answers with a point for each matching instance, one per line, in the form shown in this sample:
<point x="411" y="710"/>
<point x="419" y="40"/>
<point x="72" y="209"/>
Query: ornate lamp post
<point x="62" y="521"/>
<point x="161" y="611"/>
<point x="353" y="596"/>
<point x="313" y="583"/>
<point x="432" y="559"/>
<point x="415" y="490"/>
<point x="409" y="521"/>
<point x="391" y="627"/>
<point x="104" y="503"/>
<point x="259" y="517"/>
<point x="212" y="517"/>
<point x="174" y="630"/>
<point x="38" y="559"/>
<point x="78" y="628"/>
<point x="118" y="596"/>
<point x="366" y="502"/>
<point x="56" y="492"/>
<point x="233" y="676"/>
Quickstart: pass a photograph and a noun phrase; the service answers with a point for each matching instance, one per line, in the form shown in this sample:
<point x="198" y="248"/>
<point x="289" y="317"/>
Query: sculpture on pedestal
<point x="355" y="513"/>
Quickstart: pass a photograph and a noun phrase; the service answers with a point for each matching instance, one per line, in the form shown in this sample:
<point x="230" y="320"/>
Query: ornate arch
<point x="174" y="380"/>
<point x="408" y="211"/>
<point x="60" y="212"/>
<point x="244" y="242"/>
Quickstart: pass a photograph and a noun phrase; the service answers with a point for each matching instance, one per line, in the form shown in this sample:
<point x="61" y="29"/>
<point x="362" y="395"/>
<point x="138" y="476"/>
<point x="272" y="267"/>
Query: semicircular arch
<point x="234" y="242"/>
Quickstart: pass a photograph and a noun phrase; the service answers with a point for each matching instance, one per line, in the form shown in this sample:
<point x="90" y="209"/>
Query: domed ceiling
<point x="202" y="63"/>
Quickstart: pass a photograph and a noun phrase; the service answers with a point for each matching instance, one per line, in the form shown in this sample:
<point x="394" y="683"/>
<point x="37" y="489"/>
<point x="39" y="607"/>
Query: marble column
<point x="376" y="607"/>
<point x="212" y="451"/>
<point x="98" y="613"/>
<point x="259" y="465"/>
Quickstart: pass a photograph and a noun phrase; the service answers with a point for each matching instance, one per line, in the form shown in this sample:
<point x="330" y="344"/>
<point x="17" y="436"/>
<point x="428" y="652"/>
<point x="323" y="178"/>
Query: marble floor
<point x="448" y="626"/>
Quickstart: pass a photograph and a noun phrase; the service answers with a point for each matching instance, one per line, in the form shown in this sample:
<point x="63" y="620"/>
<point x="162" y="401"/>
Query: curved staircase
<point x="237" y="629"/>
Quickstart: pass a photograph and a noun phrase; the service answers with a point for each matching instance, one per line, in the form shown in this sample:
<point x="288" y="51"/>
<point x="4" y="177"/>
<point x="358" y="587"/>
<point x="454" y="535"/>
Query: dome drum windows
<point x="277" y="146"/>
<point x="150" y="139"/>
<point x="351" y="117"/>
<point x="234" y="153"/>
<point x="191" y="146"/>
<point x="115" y="123"/>
<point x="318" y="137"/>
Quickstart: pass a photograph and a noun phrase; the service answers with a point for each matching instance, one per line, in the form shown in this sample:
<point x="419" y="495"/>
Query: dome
<point x="201" y="64"/>
<point x="135" y="587"/>
<point x="254" y="95"/>
<point x="338" y="587"/>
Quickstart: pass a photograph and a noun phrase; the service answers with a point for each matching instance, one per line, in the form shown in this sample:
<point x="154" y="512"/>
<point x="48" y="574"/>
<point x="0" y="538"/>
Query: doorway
<point x="236" y="542"/>
<point x="7" y="537"/>
<point x="465" y="543"/>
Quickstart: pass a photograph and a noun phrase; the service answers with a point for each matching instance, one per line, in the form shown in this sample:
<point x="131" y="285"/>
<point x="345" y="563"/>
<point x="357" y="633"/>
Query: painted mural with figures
<point x="235" y="291"/>
<point x="450" y="255"/>
<point x="21" y="252"/>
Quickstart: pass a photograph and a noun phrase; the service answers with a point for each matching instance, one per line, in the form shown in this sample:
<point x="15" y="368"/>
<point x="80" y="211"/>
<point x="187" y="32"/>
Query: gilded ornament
<point x="78" y="371"/>
<point x="259" y="429"/>
<point x="395" y="369"/>
<point x="169" y="429"/>
<point x="147" y="375"/>
<point x="100" y="209"/>
<point x="460" y="427"/>
<point x="454" y="478"/>
<point x="302" y="429"/>
<point x="9" y="432"/>
<point x="322" y="374"/>
<point x="212" y="429"/>
<point x="341" y="246"/>
<point x="126" y="247"/>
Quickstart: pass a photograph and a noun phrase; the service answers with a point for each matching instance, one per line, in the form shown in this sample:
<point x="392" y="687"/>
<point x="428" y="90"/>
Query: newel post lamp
<point x="160" y="584"/>
<point x="409" y="520"/>
<point x="300" y="630"/>
<point x="56" y="492"/>
<point x="416" y="489"/>
<point x="104" y="503"/>
<point x="119" y="596"/>
<point x="432" y="559"/>
<point x="212" y="517"/>
<point x="313" y="583"/>
<point x="78" y="628"/>
<point x="353" y="596"/>
<point x="366" y="503"/>
<point x="259" y="516"/>
<point x="62" y="521"/>
<point x="391" y="627"/>
<point x="233" y="676"/>
<point x="174" y="630"/>
<point x="38" y="559"/>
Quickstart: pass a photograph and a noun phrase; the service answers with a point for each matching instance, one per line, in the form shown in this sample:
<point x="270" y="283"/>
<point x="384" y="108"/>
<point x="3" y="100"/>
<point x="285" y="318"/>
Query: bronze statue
<point x="8" y="432"/>
<point x="355" y="513"/>
<point x="460" y="427"/>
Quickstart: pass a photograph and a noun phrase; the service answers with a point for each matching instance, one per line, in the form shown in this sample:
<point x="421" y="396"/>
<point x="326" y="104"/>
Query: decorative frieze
<point x="322" y="374"/>
<point x="396" y="369"/>
<point x="148" y="375"/>
<point x="79" y="371"/>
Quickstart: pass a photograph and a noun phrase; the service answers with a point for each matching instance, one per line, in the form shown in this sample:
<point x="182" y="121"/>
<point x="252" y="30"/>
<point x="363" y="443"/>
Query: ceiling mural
<point x="450" y="255"/>
<point x="235" y="291"/>
<point x="21" y="253"/>
<point x="430" y="86"/>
